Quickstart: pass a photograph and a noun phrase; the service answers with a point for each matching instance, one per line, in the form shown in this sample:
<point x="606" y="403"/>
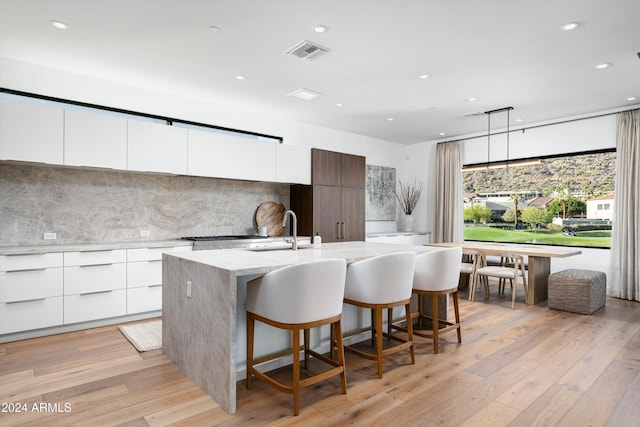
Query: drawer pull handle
<point x="96" y="265"/>
<point x="98" y="250"/>
<point x="96" y="293"/>
<point x="156" y="286"/>
<point x="26" y="300"/>
<point x="26" y="269"/>
<point x="154" y="260"/>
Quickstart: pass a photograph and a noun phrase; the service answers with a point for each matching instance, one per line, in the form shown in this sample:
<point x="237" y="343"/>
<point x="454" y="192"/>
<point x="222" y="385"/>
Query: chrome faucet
<point x="294" y="222"/>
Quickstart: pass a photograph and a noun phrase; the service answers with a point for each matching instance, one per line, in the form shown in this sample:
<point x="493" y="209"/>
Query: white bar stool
<point x="297" y="298"/>
<point x="379" y="283"/>
<point x="437" y="273"/>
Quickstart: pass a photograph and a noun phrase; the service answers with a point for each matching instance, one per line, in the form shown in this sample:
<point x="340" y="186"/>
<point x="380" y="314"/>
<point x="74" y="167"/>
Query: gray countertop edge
<point x="105" y="246"/>
<point x="396" y="233"/>
<point x="79" y="247"/>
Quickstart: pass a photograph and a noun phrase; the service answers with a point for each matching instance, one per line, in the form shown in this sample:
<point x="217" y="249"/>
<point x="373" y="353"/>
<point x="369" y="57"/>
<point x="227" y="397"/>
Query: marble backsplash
<point x="90" y="206"/>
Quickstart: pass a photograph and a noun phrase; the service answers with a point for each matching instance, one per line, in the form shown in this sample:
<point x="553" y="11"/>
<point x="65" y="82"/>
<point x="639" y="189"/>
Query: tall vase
<point x="405" y="223"/>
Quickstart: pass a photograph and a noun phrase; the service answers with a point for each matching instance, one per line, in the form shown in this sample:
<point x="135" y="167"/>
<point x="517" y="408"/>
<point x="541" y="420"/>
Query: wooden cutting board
<point x="270" y="215"/>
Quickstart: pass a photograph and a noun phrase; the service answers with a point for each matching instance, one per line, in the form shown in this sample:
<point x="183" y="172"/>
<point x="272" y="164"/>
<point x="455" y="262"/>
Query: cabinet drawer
<point x="94" y="278"/>
<point x="151" y="254"/>
<point x="30" y="262"/>
<point x="30" y="284"/>
<point x="24" y="316"/>
<point x="148" y="298"/>
<point x="144" y="273"/>
<point x="102" y="305"/>
<point x="95" y="257"/>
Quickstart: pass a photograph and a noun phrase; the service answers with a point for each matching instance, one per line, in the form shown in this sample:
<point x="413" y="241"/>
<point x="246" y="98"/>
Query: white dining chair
<point x="512" y="272"/>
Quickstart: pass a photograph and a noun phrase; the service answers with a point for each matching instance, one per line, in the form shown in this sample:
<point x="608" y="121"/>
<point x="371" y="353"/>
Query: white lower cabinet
<point x="94" y="285"/>
<point x="31" y="314"/>
<point x="147" y="298"/>
<point x="94" y="278"/>
<point x="94" y="305"/>
<point x="31" y="289"/>
<point x="144" y="278"/>
<point x="46" y="290"/>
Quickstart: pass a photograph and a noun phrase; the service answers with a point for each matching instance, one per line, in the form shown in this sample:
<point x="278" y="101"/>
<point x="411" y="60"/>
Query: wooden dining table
<point x="539" y="261"/>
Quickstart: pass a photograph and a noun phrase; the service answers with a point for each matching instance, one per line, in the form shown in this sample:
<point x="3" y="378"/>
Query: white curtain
<point x="624" y="280"/>
<point x="449" y="196"/>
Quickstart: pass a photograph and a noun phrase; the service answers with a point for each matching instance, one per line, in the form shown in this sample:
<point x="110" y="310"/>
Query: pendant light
<point x="489" y="113"/>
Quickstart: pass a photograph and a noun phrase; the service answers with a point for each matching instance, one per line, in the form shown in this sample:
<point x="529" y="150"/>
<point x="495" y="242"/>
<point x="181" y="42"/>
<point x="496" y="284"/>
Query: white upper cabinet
<point x="223" y="155"/>
<point x="95" y="139"/>
<point x="31" y="132"/>
<point x="157" y="147"/>
<point x="293" y="164"/>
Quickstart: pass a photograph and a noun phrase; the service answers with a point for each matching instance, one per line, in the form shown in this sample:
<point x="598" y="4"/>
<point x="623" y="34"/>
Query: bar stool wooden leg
<point x="456" y="310"/>
<point x="296" y="370"/>
<point x="306" y="348"/>
<point x="435" y="322"/>
<point x="337" y="328"/>
<point x="407" y="311"/>
<point x="379" y="335"/>
<point x="250" y="332"/>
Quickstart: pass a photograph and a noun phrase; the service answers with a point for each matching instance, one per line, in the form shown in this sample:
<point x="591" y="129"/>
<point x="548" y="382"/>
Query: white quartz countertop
<point x="78" y="247"/>
<point x="246" y="261"/>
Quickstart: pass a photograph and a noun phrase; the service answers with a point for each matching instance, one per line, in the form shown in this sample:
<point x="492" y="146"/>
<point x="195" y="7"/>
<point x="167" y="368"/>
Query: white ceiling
<point x="505" y="53"/>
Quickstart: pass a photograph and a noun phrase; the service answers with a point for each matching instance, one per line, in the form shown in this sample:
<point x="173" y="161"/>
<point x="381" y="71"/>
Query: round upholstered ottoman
<point x="577" y="291"/>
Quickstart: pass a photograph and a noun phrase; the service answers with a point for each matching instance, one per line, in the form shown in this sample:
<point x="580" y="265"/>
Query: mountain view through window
<point x="564" y="200"/>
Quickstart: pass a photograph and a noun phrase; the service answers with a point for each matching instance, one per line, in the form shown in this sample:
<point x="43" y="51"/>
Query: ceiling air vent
<point x="307" y="50"/>
<point x="304" y="94"/>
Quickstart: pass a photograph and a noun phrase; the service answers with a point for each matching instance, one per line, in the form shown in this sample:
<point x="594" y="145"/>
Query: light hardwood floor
<point x="525" y="367"/>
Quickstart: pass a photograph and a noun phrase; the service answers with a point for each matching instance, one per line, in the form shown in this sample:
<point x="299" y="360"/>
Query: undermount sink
<point x="278" y="247"/>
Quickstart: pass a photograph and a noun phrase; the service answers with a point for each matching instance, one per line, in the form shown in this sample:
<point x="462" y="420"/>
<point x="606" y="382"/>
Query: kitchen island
<point x="202" y="311"/>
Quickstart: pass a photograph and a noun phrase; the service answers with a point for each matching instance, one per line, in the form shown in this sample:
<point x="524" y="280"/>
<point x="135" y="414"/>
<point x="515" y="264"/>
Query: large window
<point x="564" y="200"/>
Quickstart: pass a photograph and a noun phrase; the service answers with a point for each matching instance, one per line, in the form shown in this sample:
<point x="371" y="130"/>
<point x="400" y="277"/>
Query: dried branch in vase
<point x="409" y="195"/>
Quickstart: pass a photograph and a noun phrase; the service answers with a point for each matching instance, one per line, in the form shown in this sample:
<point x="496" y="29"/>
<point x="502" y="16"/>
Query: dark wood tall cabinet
<point x="334" y="205"/>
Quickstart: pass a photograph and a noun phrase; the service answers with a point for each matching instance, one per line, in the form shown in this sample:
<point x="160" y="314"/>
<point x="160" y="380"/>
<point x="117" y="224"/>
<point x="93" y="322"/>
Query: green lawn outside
<point x="591" y="239"/>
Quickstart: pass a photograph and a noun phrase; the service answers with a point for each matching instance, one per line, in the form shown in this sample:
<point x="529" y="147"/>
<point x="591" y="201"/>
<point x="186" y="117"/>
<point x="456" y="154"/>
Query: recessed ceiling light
<point x="472" y="99"/>
<point x="240" y="77"/>
<point x="519" y="120"/>
<point x="320" y="28"/>
<point x="632" y="98"/>
<point x="339" y="104"/>
<point x="214" y="28"/>
<point x="423" y="76"/>
<point x="59" y="25"/>
<point x="442" y="134"/>
<point x="390" y="119"/>
<point x="602" y="66"/>
<point x="570" y="26"/>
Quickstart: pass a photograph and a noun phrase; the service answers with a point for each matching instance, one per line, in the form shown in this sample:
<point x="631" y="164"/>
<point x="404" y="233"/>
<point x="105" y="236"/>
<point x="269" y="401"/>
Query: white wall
<point x="581" y="135"/>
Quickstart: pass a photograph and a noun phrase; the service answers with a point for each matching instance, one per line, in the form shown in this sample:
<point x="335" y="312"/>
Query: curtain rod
<point x="542" y="125"/>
